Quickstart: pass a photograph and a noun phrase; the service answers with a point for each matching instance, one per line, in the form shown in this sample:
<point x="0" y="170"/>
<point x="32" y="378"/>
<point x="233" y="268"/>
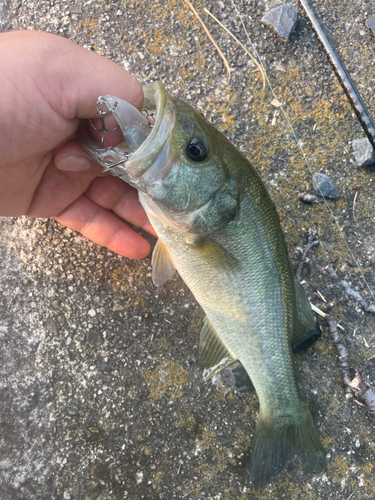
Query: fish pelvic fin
<point x="279" y="440"/>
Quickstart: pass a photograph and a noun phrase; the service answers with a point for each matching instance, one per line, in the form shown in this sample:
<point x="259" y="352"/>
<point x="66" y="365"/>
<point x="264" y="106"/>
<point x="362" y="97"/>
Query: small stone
<point x="370" y="23"/>
<point x="65" y="20"/>
<point x="91" y="312"/>
<point x="94" y="337"/>
<point x="324" y="186"/>
<point x="237" y="378"/>
<point x="104" y="367"/>
<point x="75" y="9"/>
<point x="282" y="19"/>
<point x="363" y="152"/>
<point x="66" y="495"/>
<point x="117" y="307"/>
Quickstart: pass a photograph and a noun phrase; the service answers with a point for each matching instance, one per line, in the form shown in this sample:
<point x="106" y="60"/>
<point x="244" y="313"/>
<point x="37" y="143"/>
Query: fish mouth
<point x="144" y="134"/>
<point x="156" y="104"/>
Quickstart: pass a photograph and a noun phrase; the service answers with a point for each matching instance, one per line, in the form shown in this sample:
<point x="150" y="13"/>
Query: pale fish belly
<point x="245" y="307"/>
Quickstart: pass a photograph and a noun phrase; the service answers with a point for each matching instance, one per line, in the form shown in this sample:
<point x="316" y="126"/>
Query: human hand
<point x="49" y="84"/>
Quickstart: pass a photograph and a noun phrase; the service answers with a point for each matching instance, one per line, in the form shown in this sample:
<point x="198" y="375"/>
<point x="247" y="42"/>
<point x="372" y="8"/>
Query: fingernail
<point x="74" y="164"/>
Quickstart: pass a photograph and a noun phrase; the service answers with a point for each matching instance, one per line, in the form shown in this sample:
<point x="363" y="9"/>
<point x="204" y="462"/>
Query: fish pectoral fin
<point x="215" y="253"/>
<point x="213" y="354"/>
<point x="162" y="265"/>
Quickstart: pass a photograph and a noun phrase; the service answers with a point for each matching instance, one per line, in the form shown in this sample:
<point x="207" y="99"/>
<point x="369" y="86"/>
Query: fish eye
<point x="196" y="150"/>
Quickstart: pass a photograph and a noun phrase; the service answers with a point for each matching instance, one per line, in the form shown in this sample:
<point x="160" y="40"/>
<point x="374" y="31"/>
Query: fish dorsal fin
<point x="305" y="330"/>
<point x="162" y="265"/>
<point x="213" y="354"/>
<point x="304" y="309"/>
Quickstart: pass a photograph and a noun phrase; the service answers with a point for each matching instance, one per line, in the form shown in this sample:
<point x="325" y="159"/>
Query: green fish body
<point x="219" y="228"/>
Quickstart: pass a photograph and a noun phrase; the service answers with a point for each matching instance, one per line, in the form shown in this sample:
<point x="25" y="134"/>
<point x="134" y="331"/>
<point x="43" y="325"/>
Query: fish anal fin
<point x="213" y="354"/>
<point x="162" y="265"/>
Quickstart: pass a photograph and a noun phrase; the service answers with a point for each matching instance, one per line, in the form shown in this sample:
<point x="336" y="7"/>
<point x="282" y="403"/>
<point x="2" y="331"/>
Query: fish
<point x="218" y="227"/>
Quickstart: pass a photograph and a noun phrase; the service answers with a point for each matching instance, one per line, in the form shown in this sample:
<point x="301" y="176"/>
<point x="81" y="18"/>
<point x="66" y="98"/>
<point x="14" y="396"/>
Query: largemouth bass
<point x="219" y="229"/>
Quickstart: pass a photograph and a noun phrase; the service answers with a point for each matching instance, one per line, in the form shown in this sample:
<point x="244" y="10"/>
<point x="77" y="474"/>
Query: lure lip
<point x="118" y="160"/>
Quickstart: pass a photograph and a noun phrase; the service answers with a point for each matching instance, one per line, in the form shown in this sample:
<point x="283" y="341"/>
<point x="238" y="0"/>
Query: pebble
<point x="117" y="308"/>
<point x="94" y="337"/>
<point x="363" y="152"/>
<point x="104" y="367"/>
<point x="236" y="377"/>
<point x="66" y="495"/>
<point x="282" y="19"/>
<point x="324" y="186"/>
<point x="91" y="313"/>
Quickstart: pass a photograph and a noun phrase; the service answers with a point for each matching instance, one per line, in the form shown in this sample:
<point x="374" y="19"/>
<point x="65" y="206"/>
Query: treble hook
<point x="134" y="125"/>
<point x="102" y="102"/>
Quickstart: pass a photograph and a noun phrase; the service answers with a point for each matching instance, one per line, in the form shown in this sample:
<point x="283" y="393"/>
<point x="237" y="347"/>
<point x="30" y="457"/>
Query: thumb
<point x="72" y="78"/>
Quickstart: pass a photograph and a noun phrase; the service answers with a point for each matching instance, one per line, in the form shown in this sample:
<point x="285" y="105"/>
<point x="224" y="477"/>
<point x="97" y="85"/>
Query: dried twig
<point x="355" y="189"/>
<point x="342" y="354"/>
<point x="363" y="391"/>
<point x="358" y="297"/>
<point x="323" y="314"/>
<point x="210" y="37"/>
<point x="241" y="45"/>
<point x="311" y="242"/>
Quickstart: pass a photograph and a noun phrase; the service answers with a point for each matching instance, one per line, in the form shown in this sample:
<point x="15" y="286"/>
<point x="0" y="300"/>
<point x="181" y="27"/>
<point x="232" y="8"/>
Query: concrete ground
<point x="102" y="395"/>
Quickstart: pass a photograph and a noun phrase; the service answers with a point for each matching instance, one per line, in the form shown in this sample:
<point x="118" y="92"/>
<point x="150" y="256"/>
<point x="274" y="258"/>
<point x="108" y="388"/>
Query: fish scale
<point x="243" y="296"/>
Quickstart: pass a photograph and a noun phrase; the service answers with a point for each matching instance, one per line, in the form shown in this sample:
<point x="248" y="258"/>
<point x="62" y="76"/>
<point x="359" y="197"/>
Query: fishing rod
<point x="342" y="74"/>
<point x="306" y="160"/>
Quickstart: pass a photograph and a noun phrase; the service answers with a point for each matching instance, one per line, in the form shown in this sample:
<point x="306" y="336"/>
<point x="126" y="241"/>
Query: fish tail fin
<point x="279" y="440"/>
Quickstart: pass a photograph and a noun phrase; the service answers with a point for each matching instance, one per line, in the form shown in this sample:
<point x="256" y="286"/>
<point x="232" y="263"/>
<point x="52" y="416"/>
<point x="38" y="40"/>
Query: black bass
<point x="219" y="229"/>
